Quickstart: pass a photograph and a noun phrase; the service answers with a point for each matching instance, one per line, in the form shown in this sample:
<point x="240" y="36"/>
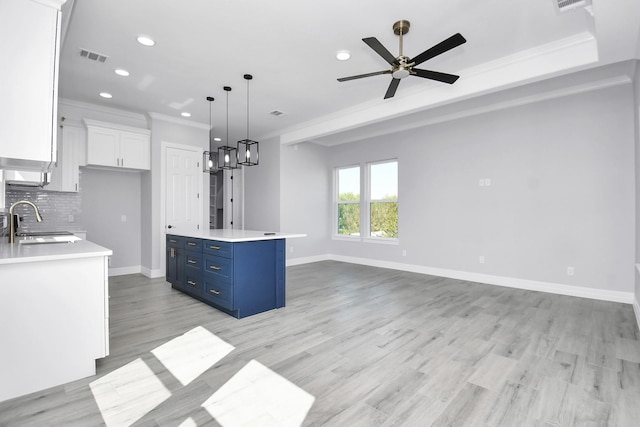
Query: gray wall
<point x="305" y="198"/>
<point x="106" y="197"/>
<point x="262" y="189"/>
<point x="637" y="158"/>
<point x="562" y="192"/>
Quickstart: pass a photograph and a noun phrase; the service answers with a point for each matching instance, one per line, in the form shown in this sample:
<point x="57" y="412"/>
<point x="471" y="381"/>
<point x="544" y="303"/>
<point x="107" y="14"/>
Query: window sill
<point x="375" y="240"/>
<point x="381" y="240"/>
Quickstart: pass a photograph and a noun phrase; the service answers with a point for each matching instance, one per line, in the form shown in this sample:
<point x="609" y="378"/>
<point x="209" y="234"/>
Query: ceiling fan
<point x="403" y="66"/>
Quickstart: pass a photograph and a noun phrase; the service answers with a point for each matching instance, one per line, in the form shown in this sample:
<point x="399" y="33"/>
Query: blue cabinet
<point x="239" y="278"/>
<point x="175" y="261"/>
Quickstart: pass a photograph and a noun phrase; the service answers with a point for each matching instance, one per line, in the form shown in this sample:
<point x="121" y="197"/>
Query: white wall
<point x="106" y="197"/>
<point x="562" y="192"/>
<point x="305" y="182"/>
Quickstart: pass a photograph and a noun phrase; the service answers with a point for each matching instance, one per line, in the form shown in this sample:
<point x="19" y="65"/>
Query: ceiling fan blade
<point x="360" y="76"/>
<point x="392" y="88"/>
<point x="448" y="44"/>
<point x="380" y="50"/>
<point x="435" y="75"/>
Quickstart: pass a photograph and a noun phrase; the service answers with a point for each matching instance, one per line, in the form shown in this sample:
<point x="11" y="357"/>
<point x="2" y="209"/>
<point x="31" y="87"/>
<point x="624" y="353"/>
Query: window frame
<point x="338" y="202"/>
<point x="364" y="201"/>
<point x="369" y="200"/>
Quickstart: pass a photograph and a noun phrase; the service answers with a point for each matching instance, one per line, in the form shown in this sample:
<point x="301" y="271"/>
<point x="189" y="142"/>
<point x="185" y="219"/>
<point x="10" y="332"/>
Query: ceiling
<point x="289" y="47"/>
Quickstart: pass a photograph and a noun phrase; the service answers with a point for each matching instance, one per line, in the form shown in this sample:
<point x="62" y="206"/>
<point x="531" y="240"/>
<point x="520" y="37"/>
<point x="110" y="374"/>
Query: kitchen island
<point x="54" y="314"/>
<point x="240" y="272"/>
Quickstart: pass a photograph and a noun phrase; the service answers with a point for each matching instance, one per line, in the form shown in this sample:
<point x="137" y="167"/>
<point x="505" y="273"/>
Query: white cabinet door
<point x="103" y="147"/>
<point x="135" y="151"/>
<point x="28" y="83"/>
<point x="65" y="175"/>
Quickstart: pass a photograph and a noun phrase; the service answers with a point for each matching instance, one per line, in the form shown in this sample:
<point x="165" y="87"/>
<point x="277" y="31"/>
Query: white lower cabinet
<point x="115" y="146"/>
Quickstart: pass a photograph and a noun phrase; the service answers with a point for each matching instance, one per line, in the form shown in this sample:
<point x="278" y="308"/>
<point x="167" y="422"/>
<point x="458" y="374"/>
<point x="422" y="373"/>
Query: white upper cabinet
<point x="29" y="48"/>
<point x="65" y="175"/>
<point x="116" y="146"/>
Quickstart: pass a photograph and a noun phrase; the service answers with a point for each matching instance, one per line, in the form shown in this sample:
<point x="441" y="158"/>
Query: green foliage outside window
<point x="384" y="219"/>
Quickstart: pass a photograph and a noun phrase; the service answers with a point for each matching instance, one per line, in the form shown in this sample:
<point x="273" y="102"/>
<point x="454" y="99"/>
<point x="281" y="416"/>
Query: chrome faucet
<point x="12" y="226"/>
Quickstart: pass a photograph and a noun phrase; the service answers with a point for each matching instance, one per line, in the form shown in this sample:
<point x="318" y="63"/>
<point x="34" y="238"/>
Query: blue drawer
<point x="193" y="283"/>
<point x="218" y="291"/>
<point x="193" y="259"/>
<point x="192" y="244"/>
<point x="217" y="248"/>
<point x="218" y="266"/>
<point x="175" y="241"/>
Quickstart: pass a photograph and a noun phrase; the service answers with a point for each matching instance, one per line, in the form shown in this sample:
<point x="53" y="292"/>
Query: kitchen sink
<point x="44" y="238"/>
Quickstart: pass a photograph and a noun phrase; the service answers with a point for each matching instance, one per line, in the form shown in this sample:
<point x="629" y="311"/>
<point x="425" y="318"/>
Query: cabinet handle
<point x="217" y="248"/>
<point x="190" y="261"/>
<point x="192" y="283"/>
<point x="172" y="253"/>
<point x="191" y="244"/>
<point x="173" y="241"/>
<point x="214" y="267"/>
<point x="213" y="291"/>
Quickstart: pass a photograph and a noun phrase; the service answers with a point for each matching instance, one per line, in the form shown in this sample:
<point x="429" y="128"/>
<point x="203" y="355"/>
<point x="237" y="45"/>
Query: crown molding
<point x="101" y="109"/>
<point x="56" y="4"/>
<point x="176" y="120"/>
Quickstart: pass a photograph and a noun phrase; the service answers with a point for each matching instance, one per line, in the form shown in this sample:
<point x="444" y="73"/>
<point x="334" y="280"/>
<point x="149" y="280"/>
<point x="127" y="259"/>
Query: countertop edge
<point x="243" y="236"/>
<point x="83" y="249"/>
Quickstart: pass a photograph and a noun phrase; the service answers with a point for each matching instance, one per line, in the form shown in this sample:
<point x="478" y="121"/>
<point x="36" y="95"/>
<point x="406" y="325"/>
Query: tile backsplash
<point x="60" y="211"/>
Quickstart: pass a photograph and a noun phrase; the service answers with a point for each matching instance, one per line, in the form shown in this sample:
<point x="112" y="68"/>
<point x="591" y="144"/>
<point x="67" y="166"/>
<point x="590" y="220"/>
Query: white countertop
<point x="232" y="235"/>
<point x="16" y="253"/>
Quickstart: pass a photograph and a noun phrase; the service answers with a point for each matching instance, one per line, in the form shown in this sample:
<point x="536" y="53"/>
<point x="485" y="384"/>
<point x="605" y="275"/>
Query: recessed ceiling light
<point x="146" y="41"/>
<point x="185" y="114"/>
<point x="343" y="55"/>
<point x="106" y="95"/>
<point x="217" y="139"/>
<point x="121" y="72"/>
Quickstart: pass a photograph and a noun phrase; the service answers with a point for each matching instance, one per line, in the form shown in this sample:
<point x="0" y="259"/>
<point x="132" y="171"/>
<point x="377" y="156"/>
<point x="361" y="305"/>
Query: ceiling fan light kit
<point x="402" y="66"/>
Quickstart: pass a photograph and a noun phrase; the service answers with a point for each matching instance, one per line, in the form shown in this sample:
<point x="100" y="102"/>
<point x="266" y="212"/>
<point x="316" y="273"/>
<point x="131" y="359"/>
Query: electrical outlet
<point x="404" y="252"/>
<point x="481" y="259"/>
<point x="70" y="218"/>
<point x="123" y="218"/>
<point x="487" y="182"/>
<point x="291" y="249"/>
<point x="570" y="271"/>
<point x="481" y="182"/>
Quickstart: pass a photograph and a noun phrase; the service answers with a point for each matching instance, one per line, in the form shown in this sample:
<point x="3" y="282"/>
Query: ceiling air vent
<point x="276" y="113"/>
<point x="94" y="56"/>
<point x="565" y="5"/>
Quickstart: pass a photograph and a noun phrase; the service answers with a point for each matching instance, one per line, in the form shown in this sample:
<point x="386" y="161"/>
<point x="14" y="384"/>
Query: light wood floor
<point x="374" y="347"/>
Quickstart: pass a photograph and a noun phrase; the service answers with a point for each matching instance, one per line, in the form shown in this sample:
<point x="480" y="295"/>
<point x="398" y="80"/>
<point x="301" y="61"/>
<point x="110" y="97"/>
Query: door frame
<point x="163" y="188"/>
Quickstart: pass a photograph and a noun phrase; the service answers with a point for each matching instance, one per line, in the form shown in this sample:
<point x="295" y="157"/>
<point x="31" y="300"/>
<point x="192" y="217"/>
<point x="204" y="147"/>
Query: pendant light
<point x="227" y="155"/>
<point x="210" y="158"/>
<point x="247" y="148"/>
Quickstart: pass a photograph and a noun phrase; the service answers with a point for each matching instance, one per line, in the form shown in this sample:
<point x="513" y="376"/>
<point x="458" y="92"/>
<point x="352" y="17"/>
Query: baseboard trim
<point x="308" y="260"/>
<point x="121" y="271"/>
<point x="510" y="282"/>
<point x="151" y="274"/>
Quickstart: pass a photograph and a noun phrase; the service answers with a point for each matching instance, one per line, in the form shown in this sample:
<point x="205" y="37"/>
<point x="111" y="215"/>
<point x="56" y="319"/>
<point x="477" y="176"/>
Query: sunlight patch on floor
<point x="191" y="354"/>
<point x="257" y="396"/>
<point x="128" y="393"/>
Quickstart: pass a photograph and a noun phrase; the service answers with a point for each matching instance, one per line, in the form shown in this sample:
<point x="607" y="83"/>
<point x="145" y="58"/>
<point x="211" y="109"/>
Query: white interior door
<point x="183" y="200"/>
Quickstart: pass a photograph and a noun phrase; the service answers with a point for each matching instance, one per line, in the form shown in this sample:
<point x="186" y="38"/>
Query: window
<point x="348" y="186"/>
<point x="377" y="220"/>
<point x="382" y="199"/>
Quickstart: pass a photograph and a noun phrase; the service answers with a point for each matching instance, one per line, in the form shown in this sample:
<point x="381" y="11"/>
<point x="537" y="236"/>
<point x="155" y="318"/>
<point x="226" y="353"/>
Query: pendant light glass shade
<point x="248" y="148"/>
<point x="227" y="155"/>
<point x="210" y="158"/>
